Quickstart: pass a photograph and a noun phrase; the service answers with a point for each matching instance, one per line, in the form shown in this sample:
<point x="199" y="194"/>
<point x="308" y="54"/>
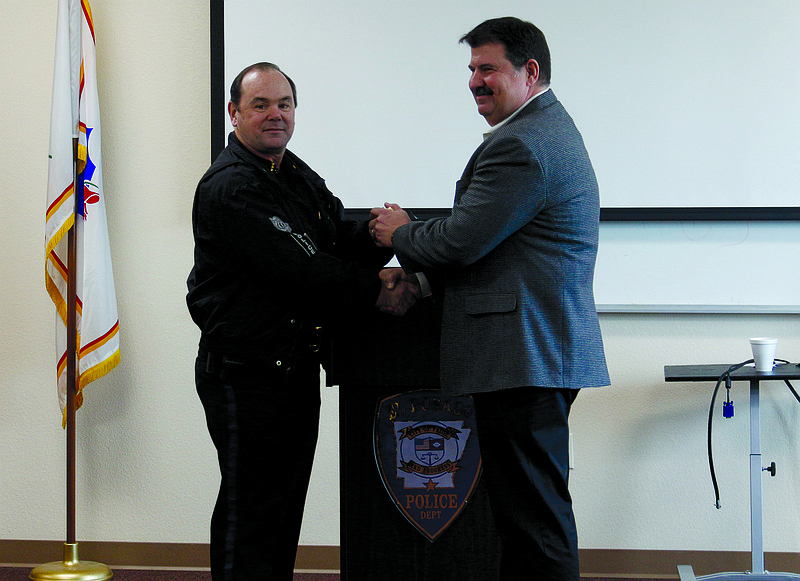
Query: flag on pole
<point x="75" y="199"/>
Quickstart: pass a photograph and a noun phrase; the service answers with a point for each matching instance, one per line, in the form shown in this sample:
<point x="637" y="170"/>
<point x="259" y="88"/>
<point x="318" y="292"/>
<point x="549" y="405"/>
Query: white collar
<point x="494" y="128"/>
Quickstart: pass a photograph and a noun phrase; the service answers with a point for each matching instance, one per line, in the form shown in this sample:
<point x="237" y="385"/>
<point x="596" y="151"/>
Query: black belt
<point x="215" y="362"/>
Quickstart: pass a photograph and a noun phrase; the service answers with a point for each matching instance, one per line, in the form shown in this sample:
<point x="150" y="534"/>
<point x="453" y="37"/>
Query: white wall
<point x="146" y="467"/>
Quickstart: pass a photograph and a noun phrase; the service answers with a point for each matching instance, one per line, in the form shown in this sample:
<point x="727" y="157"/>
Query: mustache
<point x="483" y="91"/>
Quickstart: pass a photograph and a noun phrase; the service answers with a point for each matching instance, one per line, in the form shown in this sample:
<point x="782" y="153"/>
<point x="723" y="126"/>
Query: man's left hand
<point x="386" y="220"/>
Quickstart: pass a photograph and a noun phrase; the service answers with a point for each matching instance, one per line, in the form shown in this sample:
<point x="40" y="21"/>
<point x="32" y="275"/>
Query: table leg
<point x="756" y="515"/>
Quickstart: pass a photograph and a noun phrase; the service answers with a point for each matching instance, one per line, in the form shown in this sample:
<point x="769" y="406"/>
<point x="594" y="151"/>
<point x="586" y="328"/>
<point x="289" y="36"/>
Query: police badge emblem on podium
<point x="427" y="454"/>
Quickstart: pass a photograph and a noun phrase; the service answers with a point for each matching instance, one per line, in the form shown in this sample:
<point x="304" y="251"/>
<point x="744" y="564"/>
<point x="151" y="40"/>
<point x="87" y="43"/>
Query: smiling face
<point x="498" y="87"/>
<point x="264" y="118"/>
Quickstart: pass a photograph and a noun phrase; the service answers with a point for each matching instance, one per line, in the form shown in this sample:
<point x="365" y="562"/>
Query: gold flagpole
<point x="71" y="568"/>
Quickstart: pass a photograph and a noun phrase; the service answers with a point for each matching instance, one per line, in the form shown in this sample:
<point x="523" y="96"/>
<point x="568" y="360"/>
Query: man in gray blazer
<point x="516" y="257"/>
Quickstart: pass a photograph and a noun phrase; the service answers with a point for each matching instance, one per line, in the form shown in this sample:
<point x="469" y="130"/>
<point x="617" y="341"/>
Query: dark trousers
<point x="265" y="432"/>
<point x="524" y="442"/>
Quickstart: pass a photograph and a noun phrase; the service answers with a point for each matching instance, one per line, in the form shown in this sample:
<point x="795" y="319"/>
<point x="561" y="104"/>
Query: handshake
<point x="399" y="291"/>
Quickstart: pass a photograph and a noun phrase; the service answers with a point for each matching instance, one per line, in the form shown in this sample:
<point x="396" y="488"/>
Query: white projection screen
<point x="689" y="109"/>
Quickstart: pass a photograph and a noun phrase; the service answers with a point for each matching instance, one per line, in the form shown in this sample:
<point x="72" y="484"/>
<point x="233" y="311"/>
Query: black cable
<point x="724" y="377"/>
<point x="787" y="382"/>
<point x="789" y="385"/>
<point x="710" y="450"/>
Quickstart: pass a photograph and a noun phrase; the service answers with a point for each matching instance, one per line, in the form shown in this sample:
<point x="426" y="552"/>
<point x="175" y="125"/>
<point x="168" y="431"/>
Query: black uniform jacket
<point x="274" y="258"/>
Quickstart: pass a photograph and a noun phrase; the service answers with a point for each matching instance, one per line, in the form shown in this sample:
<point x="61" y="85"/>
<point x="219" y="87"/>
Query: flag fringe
<point x="50" y="284"/>
<point x="56" y="297"/>
<point x="56" y="237"/>
<point x="98" y="370"/>
<point x="89" y="376"/>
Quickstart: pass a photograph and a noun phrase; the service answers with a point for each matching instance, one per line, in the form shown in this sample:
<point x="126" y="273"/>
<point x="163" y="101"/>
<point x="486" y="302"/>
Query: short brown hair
<point x="236" y="86"/>
<point x="521" y="39"/>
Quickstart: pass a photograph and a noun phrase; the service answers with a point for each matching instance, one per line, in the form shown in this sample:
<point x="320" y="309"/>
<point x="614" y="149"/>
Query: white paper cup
<point x="764" y="352"/>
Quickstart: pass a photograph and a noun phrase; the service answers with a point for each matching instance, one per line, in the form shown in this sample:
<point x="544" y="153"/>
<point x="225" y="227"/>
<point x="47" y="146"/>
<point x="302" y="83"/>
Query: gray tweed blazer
<point x="517" y="257"/>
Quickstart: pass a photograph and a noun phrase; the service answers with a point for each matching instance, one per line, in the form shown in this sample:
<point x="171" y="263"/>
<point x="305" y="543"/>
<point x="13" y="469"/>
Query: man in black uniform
<point x="275" y="262"/>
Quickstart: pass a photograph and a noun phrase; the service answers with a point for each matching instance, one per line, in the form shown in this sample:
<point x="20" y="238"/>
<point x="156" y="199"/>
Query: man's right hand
<point x="399" y="291"/>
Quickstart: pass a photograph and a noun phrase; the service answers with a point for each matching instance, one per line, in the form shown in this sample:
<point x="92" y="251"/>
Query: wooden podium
<point x="376" y="357"/>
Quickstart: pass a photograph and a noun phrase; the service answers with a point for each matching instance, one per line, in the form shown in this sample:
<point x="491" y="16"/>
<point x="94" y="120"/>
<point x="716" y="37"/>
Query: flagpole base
<point x="71" y="569"/>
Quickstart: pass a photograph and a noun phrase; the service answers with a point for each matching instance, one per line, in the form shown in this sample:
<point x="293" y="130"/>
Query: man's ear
<point x="232" y="112"/>
<point x="532" y="69"/>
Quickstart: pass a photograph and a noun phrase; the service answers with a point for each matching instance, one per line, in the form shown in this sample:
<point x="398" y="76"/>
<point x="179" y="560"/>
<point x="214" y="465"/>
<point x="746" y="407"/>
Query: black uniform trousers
<point x="524" y="442"/>
<point x="265" y="432"/>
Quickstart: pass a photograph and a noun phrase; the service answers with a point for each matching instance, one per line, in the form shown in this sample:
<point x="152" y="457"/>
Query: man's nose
<point x="475" y="81"/>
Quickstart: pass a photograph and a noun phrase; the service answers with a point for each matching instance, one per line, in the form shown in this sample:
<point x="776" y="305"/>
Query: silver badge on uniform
<point x="280" y="224"/>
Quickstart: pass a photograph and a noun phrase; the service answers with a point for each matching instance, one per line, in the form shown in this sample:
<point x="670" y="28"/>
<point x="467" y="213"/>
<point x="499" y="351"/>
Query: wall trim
<point x="664" y="564"/>
<point x="609" y="563"/>
<point x="126" y="555"/>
